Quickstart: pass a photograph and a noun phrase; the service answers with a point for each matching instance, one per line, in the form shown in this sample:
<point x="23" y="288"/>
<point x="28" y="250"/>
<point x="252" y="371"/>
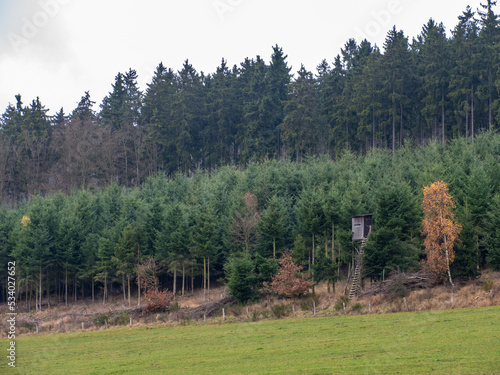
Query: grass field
<point x="461" y="341"/>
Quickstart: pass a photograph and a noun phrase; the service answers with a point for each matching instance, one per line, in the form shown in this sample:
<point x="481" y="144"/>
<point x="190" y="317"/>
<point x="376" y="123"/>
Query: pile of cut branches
<point x="400" y="284"/>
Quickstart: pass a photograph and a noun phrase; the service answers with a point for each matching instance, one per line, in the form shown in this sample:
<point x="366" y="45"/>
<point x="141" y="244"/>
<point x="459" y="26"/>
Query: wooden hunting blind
<point x="361" y="226"/>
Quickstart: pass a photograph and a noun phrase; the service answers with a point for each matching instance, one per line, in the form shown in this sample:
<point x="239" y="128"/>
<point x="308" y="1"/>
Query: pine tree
<point x="300" y="127"/>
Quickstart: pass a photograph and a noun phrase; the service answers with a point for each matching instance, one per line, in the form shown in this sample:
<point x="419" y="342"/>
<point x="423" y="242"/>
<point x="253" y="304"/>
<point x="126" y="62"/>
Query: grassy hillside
<point x="461" y="341"/>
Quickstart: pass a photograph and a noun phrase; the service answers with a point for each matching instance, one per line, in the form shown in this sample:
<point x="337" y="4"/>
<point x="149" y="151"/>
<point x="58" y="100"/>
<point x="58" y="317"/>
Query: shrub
<point x="255" y="315"/>
<point x="236" y="309"/>
<point x="307" y="304"/>
<point x="265" y="313"/>
<point x="357" y="307"/>
<point x="289" y="281"/>
<point x="121" y="320"/>
<point x="339" y="303"/>
<point x="281" y="310"/>
<point x="101" y="320"/>
<point x="174" y="307"/>
<point x="158" y="301"/>
<point x="487" y="285"/>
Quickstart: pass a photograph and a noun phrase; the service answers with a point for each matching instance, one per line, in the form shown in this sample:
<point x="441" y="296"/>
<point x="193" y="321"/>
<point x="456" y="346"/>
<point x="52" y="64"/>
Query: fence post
<point x="83" y="325"/>
<point x="293" y="309"/>
<point x="248" y="315"/>
<point x="205" y="317"/>
<point x="223" y="314"/>
<point x="106" y="323"/>
<point x="131" y="321"/>
<point x="37" y="329"/>
<point x="406" y="304"/>
<point x="314" y="308"/>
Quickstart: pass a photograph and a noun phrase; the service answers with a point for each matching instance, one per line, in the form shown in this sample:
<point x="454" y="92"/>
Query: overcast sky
<point x="58" y="49"/>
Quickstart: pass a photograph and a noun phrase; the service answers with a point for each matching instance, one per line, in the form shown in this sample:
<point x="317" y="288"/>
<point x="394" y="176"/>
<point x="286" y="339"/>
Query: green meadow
<point x="461" y="341"/>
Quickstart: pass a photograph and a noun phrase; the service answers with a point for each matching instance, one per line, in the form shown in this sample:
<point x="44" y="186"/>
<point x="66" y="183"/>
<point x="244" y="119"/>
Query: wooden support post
<point x="293" y="309"/>
<point x="37" y="329"/>
<point x="106" y="323"/>
<point x="248" y="315"/>
<point x="83" y="325"/>
<point x="223" y="314"/>
<point x="369" y="306"/>
<point x="131" y="321"/>
<point x="205" y="317"/>
<point x="406" y="304"/>
<point x="314" y="308"/>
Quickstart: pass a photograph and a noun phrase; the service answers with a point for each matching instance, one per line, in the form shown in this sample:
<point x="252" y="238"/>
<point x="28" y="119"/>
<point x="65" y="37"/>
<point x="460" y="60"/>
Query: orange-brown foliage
<point x="439" y="227"/>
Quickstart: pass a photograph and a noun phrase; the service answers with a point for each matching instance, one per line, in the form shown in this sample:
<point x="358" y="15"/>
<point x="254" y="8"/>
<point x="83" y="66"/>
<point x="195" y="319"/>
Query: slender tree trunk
<point x="124" y="288"/>
<point x="274" y="247"/>
<point x="105" y="288"/>
<point x="204" y="278"/>
<point x="472" y="115"/>
<point x="76" y="288"/>
<point x="401" y="125"/>
<point x="442" y="117"/>
<point x="208" y="276"/>
<point x="27" y="308"/>
<point x="40" y="294"/>
<point x="66" y="288"/>
<point x="333" y="241"/>
<point x="128" y="284"/>
<point x="313" y="248"/>
<point x="393" y="132"/>
<point x="467" y="119"/>
<point x="92" y="277"/>
<point x="373" y="128"/>
<point x="326" y="243"/>
<point x="183" y="277"/>
<point x="138" y="290"/>
<point x="175" y="280"/>
<point x="138" y="277"/>
<point x="48" y="287"/>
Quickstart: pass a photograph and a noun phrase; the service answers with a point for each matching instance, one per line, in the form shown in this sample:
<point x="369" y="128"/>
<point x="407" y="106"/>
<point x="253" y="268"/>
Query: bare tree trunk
<point x="333" y="241"/>
<point x="105" y="288"/>
<point x="66" y="288"/>
<point x="192" y="278"/>
<point x="472" y="115"/>
<point x="40" y="294"/>
<point x="183" y="277"/>
<point x="467" y="119"/>
<point x="373" y="128"/>
<point x="175" y="280"/>
<point x="204" y="278"/>
<point x="442" y="117"/>
<point x="124" y="288"/>
<point x="138" y="290"/>
<point x="128" y="282"/>
<point x="313" y="249"/>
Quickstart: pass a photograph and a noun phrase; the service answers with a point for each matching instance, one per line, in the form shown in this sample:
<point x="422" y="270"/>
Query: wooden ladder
<point x="356" y="277"/>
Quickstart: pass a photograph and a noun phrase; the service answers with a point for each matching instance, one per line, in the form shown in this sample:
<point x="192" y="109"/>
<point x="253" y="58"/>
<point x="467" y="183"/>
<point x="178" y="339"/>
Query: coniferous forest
<point x="215" y="175"/>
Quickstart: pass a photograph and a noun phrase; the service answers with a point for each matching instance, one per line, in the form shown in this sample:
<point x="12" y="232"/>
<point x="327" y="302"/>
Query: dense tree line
<point x="434" y="87"/>
<point x="233" y="225"/>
